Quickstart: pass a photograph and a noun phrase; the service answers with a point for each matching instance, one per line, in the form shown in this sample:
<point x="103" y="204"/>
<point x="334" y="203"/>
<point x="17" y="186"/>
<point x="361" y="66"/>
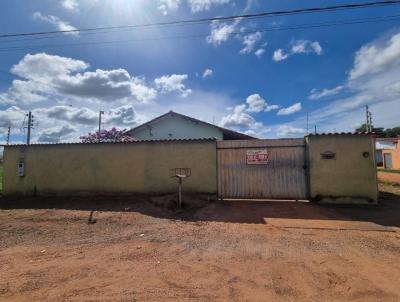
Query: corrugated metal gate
<point x="272" y="168"/>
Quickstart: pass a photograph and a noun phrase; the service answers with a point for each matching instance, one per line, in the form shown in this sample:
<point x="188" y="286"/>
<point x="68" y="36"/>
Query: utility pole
<point x="30" y="126"/>
<point x="307" y="122"/>
<point x="370" y="121"/>
<point x="100" y="113"/>
<point x="368" y="124"/>
<point x="8" y="135"/>
<point x="315" y="129"/>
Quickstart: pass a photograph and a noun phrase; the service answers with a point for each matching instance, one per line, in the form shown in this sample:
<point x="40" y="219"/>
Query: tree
<point x="389" y="132"/>
<point x="107" y="136"/>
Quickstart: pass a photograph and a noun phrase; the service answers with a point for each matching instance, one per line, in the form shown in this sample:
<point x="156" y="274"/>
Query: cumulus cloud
<point x="84" y="116"/>
<point x="249" y="42"/>
<point x="201" y="5"/>
<point x="106" y="85"/>
<point x="56" y="22"/>
<point x="124" y="115"/>
<point x="42" y="65"/>
<point x="306" y="46"/>
<point x="288" y="130"/>
<point x="257" y="104"/>
<point x="259" y="52"/>
<point x="208" y="73"/>
<point x="173" y="82"/>
<point x="376" y="57"/>
<point x="48" y="74"/>
<point x="290" y="110"/>
<point x="239" y="119"/>
<point x="298" y="47"/>
<point x="70" y="4"/>
<point x="319" y="94"/>
<point x="166" y="6"/>
<point x="221" y="31"/>
<point x="11" y="117"/>
<point x="55" y="134"/>
<point x="279" y="55"/>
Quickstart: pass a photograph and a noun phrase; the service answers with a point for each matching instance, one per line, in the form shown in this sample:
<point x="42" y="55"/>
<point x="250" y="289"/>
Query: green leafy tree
<point x="389" y="132"/>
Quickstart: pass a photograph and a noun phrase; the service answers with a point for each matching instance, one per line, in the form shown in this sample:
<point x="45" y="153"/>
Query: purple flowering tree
<point x="107" y="136"/>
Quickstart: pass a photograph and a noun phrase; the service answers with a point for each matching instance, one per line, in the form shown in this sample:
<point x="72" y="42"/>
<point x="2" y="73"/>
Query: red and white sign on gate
<point x="257" y="157"/>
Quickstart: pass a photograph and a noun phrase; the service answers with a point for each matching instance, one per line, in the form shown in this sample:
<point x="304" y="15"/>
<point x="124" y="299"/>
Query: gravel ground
<point x="221" y="251"/>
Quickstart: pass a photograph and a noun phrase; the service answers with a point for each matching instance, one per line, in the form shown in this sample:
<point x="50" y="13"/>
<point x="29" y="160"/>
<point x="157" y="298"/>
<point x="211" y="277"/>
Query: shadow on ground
<point x="386" y="213"/>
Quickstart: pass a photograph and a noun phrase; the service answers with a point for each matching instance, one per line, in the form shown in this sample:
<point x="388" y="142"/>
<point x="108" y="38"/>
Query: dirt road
<point x="231" y="251"/>
<point x="391" y="177"/>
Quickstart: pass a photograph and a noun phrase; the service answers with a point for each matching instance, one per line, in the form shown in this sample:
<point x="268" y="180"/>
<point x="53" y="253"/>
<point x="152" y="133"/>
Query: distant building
<point x="388" y="152"/>
<point x="174" y="125"/>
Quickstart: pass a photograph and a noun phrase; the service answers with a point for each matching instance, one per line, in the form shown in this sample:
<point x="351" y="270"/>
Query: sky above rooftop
<point x="259" y="76"/>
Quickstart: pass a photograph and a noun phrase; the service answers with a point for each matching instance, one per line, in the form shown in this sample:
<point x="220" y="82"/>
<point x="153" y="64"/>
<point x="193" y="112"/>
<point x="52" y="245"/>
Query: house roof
<point x="114" y="143"/>
<point x="228" y="134"/>
<point x="342" y="133"/>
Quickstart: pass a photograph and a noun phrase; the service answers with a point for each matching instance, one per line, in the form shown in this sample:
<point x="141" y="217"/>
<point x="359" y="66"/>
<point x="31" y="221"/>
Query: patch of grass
<point x="389" y="183"/>
<point x="389" y="170"/>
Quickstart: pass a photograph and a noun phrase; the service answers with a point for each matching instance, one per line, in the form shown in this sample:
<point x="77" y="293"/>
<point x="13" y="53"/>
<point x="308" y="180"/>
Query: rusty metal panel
<point x="282" y="177"/>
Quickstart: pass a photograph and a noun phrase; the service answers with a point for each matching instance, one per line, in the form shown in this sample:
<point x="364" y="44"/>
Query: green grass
<point x="388" y="170"/>
<point x="389" y="183"/>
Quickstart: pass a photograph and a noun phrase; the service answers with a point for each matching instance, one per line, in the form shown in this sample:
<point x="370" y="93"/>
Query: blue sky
<point x="234" y="74"/>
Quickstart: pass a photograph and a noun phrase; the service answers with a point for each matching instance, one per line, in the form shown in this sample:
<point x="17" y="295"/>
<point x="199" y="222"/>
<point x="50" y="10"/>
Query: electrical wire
<point x="269" y="29"/>
<point x="218" y="19"/>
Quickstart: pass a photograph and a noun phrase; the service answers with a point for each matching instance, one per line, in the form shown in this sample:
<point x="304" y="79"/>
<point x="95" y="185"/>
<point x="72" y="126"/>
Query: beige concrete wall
<point x="349" y="177"/>
<point x="141" y="167"/>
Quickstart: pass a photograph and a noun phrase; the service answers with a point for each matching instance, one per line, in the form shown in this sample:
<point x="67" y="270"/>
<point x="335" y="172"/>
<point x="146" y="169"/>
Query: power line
<point x="218" y="19"/>
<point x="269" y="29"/>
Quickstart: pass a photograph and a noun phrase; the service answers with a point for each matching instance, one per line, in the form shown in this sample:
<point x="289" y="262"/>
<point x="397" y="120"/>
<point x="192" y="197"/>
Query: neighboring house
<point x="388" y="152"/>
<point x="174" y="125"/>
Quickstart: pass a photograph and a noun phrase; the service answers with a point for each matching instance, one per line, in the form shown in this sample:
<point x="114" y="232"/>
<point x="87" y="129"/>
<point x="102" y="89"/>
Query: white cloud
<point x="279" y="55"/>
<point x="271" y="107"/>
<point x="11" y="117"/>
<point x="70" y="4"/>
<point x="208" y="73"/>
<point x="166" y="6"/>
<point x="288" y="130"/>
<point x="173" y="82"/>
<point x="316" y="95"/>
<point x="221" y="31"/>
<point x="259" y="52"/>
<point x="56" y="22"/>
<point x="106" y="85"/>
<point x="201" y="5"/>
<point x="298" y="47"/>
<point x="257" y="104"/>
<point x="306" y="46"/>
<point x="42" y="65"/>
<point x="376" y="57"/>
<point x="46" y="75"/>
<point x="239" y="119"/>
<point x="56" y="134"/>
<point x="249" y="42"/>
<point x="82" y="115"/>
<point x="373" y="80"/>
<point x="124" y="115"/>
<point x="290" y="110"/>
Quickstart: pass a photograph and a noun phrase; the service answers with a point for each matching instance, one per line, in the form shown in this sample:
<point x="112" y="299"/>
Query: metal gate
<point x="273" y="168"/>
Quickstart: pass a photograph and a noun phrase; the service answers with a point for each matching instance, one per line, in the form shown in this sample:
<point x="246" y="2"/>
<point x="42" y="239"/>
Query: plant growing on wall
<point x="107" y="136"/>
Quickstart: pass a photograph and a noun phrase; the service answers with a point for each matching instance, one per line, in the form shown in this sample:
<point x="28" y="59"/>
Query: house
<point x="387" y="152"/>
<point x="174" y="125"/>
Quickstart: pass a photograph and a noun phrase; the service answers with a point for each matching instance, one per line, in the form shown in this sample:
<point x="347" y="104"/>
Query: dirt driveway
<point x="230" y="251"/>
<point x="391" y="177"/>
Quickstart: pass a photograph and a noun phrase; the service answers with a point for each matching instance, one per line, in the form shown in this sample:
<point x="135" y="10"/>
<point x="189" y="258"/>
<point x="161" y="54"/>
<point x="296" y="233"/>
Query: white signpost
<point x="257" y="157"/>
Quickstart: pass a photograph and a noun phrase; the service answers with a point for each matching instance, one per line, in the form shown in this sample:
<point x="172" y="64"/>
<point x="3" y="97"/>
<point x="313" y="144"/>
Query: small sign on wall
<point x="257" y="157"/>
